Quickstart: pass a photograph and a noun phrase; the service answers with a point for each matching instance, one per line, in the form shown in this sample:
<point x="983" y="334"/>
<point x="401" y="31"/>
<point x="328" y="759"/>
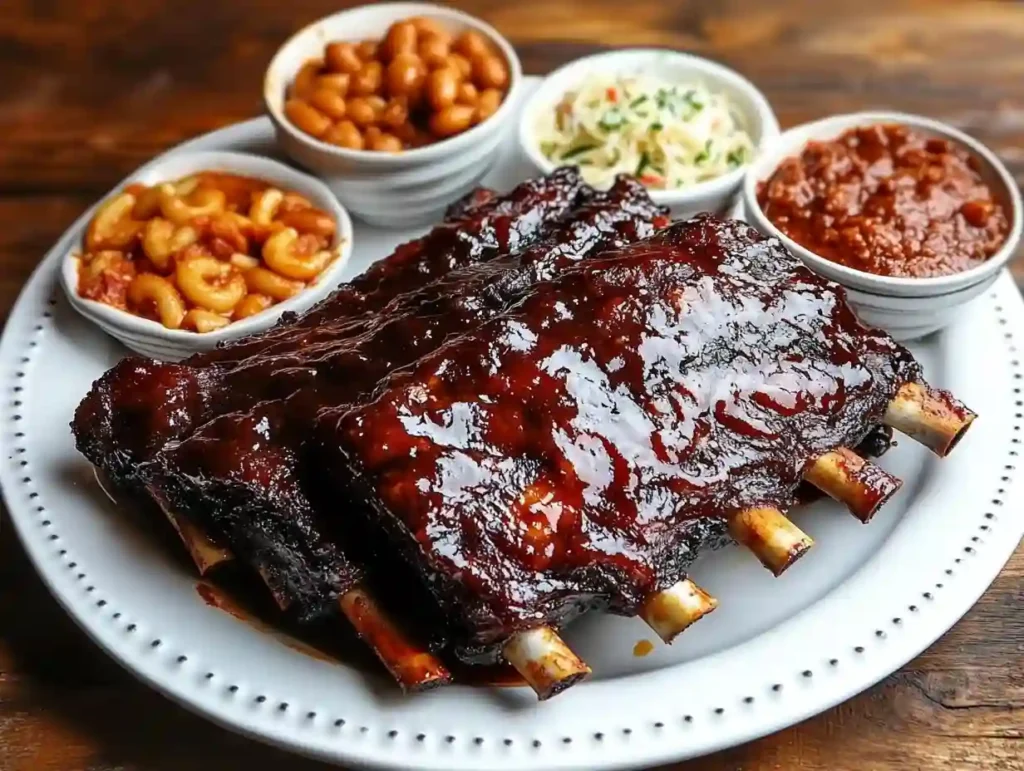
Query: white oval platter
<point x="863" y="602"/>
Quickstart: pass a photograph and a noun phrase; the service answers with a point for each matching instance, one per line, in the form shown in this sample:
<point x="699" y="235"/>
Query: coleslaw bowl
<point x="712" y="195"/>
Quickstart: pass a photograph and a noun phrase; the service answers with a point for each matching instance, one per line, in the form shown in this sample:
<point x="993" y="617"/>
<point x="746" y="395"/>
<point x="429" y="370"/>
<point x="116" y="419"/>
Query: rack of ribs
<point x="529" y="437"/>
<point x="578" y="451"/>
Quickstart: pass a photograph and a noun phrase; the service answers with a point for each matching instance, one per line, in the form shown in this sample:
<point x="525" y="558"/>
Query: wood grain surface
<point x="92" y="88"/>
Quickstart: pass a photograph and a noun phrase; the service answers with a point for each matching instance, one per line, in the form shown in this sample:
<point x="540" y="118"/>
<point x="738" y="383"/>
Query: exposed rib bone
<point x="671" y="611"/>
<point x="930" y="416"/>
<point x="545" y="661"/>
<point x="205" y="553"/>
<point x="415" y="668"/>
<point x="776" y="541"/>
<point x="848" y="478"/>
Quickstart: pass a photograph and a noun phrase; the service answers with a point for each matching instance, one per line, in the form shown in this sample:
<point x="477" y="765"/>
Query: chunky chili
<point x="888" y="200"/>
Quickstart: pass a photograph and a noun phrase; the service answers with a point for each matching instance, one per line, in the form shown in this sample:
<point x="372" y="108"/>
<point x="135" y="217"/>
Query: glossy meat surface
<point x="140" y="405"/>
<point x="580" y="448"/>
<point x="244" y="476"/>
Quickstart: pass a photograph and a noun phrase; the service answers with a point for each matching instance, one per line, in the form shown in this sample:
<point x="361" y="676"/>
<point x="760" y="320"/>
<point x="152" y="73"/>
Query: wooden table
<point x="92" y="88"/>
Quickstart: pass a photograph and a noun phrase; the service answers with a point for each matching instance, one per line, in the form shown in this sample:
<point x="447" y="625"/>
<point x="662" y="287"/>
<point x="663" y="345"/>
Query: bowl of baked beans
<point x="912" y="216"/>
<point x="398" y="107"/>
<point x="199" y="248"/>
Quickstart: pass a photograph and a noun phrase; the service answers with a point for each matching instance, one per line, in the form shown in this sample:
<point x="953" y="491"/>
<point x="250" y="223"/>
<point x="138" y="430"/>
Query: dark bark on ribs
<point x="578" y="451"/>
<point x="241" y="475"/>
<point x="140" y="405"/>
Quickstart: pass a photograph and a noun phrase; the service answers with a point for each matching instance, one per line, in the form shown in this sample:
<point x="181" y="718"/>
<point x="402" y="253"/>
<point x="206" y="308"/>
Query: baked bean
<point x="488" y="104"/>
<point x="452" y="120"/>
<point x="203" y="321"/>
<point x="462" y="64"/>
<point x="442" y="88"/>
<point x="263" y="281"/>
<point x="371" y="135"/>
<point x="426" y="27"/>
<point x="342" y="57"/>
<point x="252" y="304"/>
<point x="409" y="134"/>
<point x="330" y="103"/>
<point x="360" y="111"/>
<point x="405" y="76"/>
<point x="305" y="78"/>
<point x="209" y="283"/>
<point x="345" y="134"/>
<point x="312" y="221"/>
<point x="400" y="39"/>
<point x="387" y="143"/>
<point x="395" y="113"/>
<point x="335" y="81"/>
<point x="368" y="80"/>
<point x="467" y="94"/>
<point x="306" y="117"/>
<point x="489" y="72"/>
<point x="471" y="44"/>
<point x="367" y="50"/>
<point x="434" y="51"/>
<point x="151" y="293"/>
<point x="294" y="256"/>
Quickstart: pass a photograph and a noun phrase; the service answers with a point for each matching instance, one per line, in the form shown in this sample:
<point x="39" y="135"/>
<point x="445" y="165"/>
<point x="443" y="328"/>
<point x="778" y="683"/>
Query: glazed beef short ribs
<point x="140" y="405"/>
<point x="245" y="476"/>
<point x="579" y="450"/>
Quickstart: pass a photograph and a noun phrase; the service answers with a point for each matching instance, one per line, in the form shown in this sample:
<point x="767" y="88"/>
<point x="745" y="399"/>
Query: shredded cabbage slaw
<point x="668" y="135"/>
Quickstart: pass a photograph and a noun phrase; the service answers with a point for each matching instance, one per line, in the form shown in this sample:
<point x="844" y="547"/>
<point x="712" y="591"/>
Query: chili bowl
<point x="907" y="307"/>
<point x="151" y="338"/>
<point x="752" y="107"/>
<point x="400" y="189"/>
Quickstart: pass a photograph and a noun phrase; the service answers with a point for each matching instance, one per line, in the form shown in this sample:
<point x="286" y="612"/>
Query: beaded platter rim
<point x="923" y="580"/>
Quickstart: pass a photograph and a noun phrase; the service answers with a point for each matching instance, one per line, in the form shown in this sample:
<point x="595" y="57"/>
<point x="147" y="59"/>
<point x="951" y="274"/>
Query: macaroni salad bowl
<point x="151" y="338"/>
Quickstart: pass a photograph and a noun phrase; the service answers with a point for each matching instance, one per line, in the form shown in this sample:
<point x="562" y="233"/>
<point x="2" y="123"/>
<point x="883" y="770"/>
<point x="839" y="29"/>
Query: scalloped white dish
<point x="863" y="602"/>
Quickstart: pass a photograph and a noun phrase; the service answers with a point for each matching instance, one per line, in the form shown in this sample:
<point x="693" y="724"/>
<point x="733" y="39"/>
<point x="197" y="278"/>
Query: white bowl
<point x="910" y="318"/>
<point x="714" y="195"/>
<point x="390" y="189"/>
<point x="151" y="338"/>
<point x="929" y="303"/>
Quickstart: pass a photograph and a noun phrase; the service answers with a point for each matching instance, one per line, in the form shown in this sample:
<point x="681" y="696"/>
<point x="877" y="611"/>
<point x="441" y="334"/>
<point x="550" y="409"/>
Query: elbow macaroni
<point x="204" y="251"/>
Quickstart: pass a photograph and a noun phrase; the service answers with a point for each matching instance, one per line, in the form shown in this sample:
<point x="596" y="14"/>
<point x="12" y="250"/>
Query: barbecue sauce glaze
<point x="579" y="449"/>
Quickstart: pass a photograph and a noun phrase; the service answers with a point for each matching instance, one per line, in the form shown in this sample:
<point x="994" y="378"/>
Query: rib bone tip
<point x="671" y="611"/>
<point x="931" y="416"/>
<point x="545" y="661"/>
<point x="775" y="541"/>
